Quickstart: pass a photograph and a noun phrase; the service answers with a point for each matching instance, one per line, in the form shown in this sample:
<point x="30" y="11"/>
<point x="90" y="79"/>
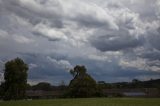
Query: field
<point x="87" y="102"/>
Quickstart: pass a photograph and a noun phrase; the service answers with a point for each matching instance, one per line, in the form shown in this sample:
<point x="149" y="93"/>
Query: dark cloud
<point x="32" y="11"/>
<point x="152" y="55"/>
<point x="154" y="38"/>
<point x="46" y="67"/>
<point x="115" y="40"/>
<point x="116" y="43"/>
<point x="111" y="72"/>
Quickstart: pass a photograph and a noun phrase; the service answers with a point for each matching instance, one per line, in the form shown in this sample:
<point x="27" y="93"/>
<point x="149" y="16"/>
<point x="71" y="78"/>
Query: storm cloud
<point x="115" y="40"/>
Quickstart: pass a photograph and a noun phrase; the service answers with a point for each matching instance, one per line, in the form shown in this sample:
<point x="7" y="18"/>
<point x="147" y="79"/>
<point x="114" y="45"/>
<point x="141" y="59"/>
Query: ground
<point x="87" y="102"/>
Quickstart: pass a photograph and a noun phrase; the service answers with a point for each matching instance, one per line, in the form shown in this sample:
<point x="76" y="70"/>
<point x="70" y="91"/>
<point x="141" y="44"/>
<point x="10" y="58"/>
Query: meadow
<point x="86" y="102"/>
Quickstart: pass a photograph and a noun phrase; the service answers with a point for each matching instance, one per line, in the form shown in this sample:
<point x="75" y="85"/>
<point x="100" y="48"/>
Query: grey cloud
<point x="158" y="29"/>
<point x="111" y="72"/>
<point x="43" y="67"/>
<point x="116" y="43"/>
<point x="97" y="34"/>
<point x="64" y="64"/>
<point x="32" y="10"/>
<point x="154" y="38"/>
<point x="152" y="55"/>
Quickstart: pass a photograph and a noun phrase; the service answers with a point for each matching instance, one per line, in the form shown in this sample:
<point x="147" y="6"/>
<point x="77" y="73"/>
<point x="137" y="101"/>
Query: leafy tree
<point x="82" y="85"/>
<point x="78" y="70"/>
<point x="1" y="90"/>
<point x="15" y="76"/>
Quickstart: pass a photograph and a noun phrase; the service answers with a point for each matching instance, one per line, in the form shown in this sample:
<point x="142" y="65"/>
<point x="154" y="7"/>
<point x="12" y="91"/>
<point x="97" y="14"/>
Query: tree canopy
<point x="82" y="85"/>
<point x="15" y="76"/>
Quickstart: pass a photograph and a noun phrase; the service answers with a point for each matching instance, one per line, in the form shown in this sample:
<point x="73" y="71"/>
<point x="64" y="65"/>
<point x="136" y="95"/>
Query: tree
<point x="78" y="70"/>
<point x="15" y="76"/>
<point x="1" y="90"/>
<point x="82" y="85"/>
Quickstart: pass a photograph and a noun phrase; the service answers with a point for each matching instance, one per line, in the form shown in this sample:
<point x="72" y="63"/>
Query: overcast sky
<point x="117" y="40"/>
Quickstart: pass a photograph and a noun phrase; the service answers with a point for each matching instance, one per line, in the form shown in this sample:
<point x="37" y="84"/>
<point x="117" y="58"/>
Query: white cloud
<point x="50" y="33"/>
<point x="3" y="34"/>
<point x="140" y="64"/>
<point x="98" y="58"/>
<point x="64" y="64"/>
<point x="32" y="66"/>
<point x="1" y="65"/>
<point x="1" y="71"/>
<point x="158" y="8"/>
<point x="23" y="39"/>
<point x="88" y="12"/>
<point x="1" y="77"/>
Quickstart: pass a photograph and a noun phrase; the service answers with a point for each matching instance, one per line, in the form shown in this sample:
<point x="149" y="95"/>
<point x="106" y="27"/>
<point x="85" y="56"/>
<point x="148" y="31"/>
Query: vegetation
<point x="134" y="84"/>
<point x="15" y="76"/>
<point x="82" y="85"/>
<point x="87" y="102"/>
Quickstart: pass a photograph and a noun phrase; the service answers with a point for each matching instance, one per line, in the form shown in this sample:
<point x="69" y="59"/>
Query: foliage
<point x="15" y="76"/>
<point x="1" y="90"/>
<point x="82" y="85"/>
<point x="134" y="84"/>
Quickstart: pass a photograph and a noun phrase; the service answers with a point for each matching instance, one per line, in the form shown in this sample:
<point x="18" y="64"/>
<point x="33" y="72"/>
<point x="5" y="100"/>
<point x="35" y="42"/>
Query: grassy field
<point x="87" y="102"/>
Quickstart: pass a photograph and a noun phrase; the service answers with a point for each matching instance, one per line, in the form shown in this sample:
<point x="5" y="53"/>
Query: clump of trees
<point x="15" y="85"/>
<point x="82" y="85"/>
<point x="130" y="85"/>
<point x="15" y="76"/>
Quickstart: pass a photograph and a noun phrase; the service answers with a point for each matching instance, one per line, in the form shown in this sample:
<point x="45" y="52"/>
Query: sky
<point x="117" y="40"/>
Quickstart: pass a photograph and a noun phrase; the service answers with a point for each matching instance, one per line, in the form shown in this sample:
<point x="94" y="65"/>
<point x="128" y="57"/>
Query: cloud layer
<point x="116" y="40"/>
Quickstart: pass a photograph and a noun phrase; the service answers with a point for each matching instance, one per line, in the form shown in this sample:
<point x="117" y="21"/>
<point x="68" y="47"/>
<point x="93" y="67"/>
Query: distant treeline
<point x="152" y="83"/>
<point x="45" y="86"/>
<point x="82" y="85"/>
<point x="102" y="84"/>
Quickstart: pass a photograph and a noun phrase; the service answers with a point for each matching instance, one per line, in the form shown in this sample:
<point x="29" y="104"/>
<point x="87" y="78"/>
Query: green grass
<point x="87" y="102"/>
